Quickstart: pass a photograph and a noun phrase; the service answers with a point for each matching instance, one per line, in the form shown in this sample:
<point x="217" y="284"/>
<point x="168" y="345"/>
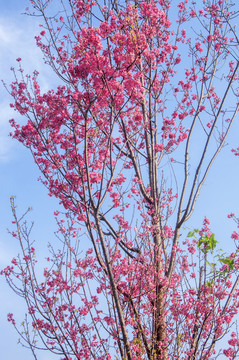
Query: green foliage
<point x="227" y="261"/>
<point x="192" y="233"/>
<point x="207" y="244"/>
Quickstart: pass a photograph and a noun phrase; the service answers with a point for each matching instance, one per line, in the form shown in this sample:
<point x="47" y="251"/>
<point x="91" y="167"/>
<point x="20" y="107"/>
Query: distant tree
<point x="148" y="94"/>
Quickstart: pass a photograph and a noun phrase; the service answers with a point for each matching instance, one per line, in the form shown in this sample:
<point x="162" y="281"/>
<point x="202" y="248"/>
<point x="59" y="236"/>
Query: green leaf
<point x="209" y="283"/>
<point x="229" y="262"/>
<point x="192" y="233"/>
<point x="206" y="243"/>
<point x="212" y="242"/>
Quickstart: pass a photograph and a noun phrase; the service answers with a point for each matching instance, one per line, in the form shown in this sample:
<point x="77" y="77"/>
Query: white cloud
<point x="17" y="40"/>
<point x="4" y="36"/>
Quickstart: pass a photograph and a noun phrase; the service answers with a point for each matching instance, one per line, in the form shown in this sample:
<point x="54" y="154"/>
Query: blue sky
<point x="18" y="174"/>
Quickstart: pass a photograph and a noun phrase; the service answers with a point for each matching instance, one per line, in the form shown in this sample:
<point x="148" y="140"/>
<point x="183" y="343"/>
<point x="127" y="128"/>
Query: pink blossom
<point x="158" y="147"/>
<point x="235" y="235"/>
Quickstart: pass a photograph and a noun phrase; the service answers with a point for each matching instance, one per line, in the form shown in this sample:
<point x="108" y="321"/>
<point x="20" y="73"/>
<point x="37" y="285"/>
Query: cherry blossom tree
<point x="147" y="96"/>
